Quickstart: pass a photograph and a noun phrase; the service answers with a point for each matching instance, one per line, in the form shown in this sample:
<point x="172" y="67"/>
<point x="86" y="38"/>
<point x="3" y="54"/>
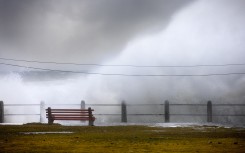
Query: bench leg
<point x="90" y="123"/>
<point x="50" y="118"/>
<point x="50" y="121"/>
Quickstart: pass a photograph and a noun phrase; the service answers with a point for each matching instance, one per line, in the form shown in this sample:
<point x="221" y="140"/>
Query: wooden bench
<point x="70" y="114"/>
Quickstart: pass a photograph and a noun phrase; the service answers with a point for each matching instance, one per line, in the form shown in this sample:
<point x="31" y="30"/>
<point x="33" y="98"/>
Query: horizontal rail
<point x="150" y="114"/>
<point x="62" y="104"/>
<point x="106" y="114"/>
<point x="176" y="114"/>
<point x="206" y="105"/>
<point x="228" y="104"/>
<point x="143" y="104"/>
<point x="56" y="115"/>
<point x="75" y="110"/>
<point x="70" y="112"/>
<point x="21" y="104"/>
<point x="129" y="114"/>
<point x="103" y="104"/>
<point x="230" y="115"/>
<point x="20" y="114"/>
<point x="164" y="104"/>
<point x="188" y="105"/>
<point x="206" y="114"/>
<point x="126" y="104"/>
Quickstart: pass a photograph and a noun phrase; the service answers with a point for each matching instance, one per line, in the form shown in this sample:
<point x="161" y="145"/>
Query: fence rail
<point x="21" y="114"/>
<point x="166" y="113"/>
<point x="22" y="105"/>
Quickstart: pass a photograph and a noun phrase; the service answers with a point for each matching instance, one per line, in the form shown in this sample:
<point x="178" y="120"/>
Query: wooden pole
<point x="166" y="106"/>
<point x="209" y="111"/>
<point x="124" y="112"/>
<point x="1" y="112"/>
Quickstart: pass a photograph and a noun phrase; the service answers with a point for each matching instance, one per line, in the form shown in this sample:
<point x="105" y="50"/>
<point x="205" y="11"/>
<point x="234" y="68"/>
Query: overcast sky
<point x="129" y="32"/>
<point x="139" y="32"/>
<point x="81" y="31"/>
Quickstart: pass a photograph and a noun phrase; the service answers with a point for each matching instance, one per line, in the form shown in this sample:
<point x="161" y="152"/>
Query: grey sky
<point x="139" y="32"/>
<point x="82" y="31"/>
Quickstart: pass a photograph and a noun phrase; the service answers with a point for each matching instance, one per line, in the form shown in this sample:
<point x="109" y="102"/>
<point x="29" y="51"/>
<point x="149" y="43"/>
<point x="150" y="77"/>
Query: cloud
<point x="81" y="31"/>
<point x="202" y="33"/>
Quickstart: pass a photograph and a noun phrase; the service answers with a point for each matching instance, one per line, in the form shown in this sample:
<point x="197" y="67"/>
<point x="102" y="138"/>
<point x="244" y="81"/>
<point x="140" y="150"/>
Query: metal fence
<point x="123" y="112"/>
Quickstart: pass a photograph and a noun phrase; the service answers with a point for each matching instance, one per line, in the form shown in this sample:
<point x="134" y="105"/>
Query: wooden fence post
<point x="166" y="107"/>
<point x="209" y="111"/>
<point x="91" y="121"/>
<point x="42" y="112"/>
<point x="124" y="112"/>
<point x="1" y="112"/>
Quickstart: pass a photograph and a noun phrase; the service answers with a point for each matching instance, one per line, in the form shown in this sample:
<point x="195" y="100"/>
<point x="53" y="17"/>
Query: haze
<point x="123" y="32"/>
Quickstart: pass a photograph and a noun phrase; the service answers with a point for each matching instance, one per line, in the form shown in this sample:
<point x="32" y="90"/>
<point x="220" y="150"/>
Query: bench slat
<point x="72" y="118"/>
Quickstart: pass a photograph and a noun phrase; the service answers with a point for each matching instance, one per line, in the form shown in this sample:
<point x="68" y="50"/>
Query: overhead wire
<point x="120" y="65"/>
<point x="133" y="75"/>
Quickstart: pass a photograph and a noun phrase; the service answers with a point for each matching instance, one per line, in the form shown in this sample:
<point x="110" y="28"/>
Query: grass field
<point x="107" y="139"/>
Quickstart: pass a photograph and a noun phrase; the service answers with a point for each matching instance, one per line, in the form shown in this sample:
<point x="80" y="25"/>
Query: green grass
<point x="121" y="139"/>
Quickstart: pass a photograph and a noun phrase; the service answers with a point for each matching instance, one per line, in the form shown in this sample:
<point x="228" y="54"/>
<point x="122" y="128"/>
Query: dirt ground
<point x="113" y="139"/>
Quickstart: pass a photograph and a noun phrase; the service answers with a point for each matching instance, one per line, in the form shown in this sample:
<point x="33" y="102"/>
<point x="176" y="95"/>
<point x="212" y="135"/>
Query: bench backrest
<point x="70" y="114"/>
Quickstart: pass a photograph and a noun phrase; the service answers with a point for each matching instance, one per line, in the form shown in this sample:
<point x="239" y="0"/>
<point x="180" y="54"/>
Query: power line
<point x="118" y="65"/>
<point x="130" y="75"/>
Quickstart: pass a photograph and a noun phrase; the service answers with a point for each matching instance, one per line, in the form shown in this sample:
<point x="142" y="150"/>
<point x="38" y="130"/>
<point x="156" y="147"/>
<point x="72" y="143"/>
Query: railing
<point x="209" y="110"/>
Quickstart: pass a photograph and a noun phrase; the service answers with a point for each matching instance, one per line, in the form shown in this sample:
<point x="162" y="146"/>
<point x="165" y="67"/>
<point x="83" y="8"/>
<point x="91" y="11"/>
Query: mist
<point x="187" y="33"/>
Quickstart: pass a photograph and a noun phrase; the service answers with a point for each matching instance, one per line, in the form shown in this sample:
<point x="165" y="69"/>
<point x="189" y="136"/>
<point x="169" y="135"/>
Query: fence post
<point x="1" y="112"/>
<point x="82" y="104"/>
<point x="83" y="107"/>
<point x="166" y="106"/>
<point x="42" y="112"/>
<point x="209" y="111"/>
<point x="124" y="112"/>
<point x="91" y="121"/>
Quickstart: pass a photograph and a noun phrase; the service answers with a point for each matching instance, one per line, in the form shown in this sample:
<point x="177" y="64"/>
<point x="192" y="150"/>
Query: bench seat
<point x="70" y="114"/>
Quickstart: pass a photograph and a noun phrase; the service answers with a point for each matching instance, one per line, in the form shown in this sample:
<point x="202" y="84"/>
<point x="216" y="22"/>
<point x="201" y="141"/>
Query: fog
<point x="176" y="34"/>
